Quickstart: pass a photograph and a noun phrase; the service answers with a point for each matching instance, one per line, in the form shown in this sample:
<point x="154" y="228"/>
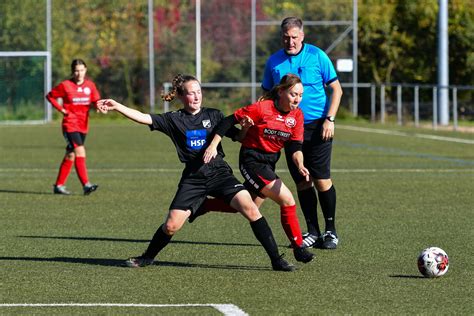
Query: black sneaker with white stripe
<point x="311" y="240"/>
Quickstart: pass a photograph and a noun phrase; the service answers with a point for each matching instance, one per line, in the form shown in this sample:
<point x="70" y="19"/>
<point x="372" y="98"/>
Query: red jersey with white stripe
<point x="76" y="101"/>
<point x="272" y="128"/>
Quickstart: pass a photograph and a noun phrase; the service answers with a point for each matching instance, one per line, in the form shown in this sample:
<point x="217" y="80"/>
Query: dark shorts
<point x="74" y="140"/>
<point x="316" y="153"/>
<point x="215" y="179"/>
<point x="257" y="168"/>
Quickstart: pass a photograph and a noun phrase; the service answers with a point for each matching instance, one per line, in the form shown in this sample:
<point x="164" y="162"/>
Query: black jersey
<point x="190" y="133"/>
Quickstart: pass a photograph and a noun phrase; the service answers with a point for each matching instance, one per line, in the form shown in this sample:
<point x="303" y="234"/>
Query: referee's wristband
<point x="331" y="118"/>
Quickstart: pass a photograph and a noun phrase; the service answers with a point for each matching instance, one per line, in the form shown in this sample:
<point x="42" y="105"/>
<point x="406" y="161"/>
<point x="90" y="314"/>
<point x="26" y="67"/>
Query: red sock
<point x="290" y="224"/>
<point x="218" y="205"/>
<point x="64" y="171"/>
<point x="81" y="169"/>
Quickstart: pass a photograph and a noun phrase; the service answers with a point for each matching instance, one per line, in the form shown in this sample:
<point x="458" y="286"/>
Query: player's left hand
<point x="209" y="154"/>
<point x="327" y="132"/>
<point x="304" y="172"/>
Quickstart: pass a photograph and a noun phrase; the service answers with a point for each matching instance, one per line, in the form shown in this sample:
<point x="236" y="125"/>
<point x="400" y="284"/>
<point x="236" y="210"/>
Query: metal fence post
<point x="455" y="108"/>
<point x="372" y="103"/>
<point x="417" y="106"/>
<point x="166" y="89"/>
<point x="435" y="107"/>
<point x="399" y="104"/>
<point x="382" y="103"/>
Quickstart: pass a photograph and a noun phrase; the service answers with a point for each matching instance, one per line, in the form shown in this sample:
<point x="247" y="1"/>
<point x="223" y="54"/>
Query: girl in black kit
<point x="190" y="128"/>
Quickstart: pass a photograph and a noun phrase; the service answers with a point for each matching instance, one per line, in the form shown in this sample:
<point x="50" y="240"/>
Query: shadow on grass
<point x="406" y="276"/>
<point x="25" y="192"/>
<point x="143" y="240"/>
<point x="121" y="263"/>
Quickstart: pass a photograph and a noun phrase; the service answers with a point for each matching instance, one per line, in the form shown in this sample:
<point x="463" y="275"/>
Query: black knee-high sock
<point x="309" y="206"/>
<point x="157" y="243"/>
<point x="264" y="235"/>
<point x="328" y="206"/>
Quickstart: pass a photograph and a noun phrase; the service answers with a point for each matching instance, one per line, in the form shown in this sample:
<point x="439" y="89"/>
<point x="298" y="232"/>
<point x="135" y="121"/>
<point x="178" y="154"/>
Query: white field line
<point x="226" y="309"/>
<point x="397" y="133"/>
<point x="162" y="170"/>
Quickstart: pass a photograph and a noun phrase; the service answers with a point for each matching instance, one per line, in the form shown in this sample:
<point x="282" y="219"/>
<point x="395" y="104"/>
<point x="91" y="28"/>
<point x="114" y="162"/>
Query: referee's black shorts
<point x="316" y="153"/>
<point x="214" y="178"/>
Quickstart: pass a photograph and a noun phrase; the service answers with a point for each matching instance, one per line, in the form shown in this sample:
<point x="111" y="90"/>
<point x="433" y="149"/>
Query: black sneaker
<point x="330" y="240"/>
<point x="281" y="264"/>
<point x="311" y="240"/>
<point x="89" y="188"/>
<point x="303" y="255"/>
<point x="138" y="262"/>
<point x="60" y="189"/>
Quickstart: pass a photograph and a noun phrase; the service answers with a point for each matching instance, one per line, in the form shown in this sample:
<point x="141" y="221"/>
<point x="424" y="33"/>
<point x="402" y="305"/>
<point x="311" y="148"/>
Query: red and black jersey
<point x="76" y="101"/>
<point x="272" y="128"/>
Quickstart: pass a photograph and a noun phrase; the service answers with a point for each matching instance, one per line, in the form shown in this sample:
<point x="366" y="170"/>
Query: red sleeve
<point x="53" y="95"/>
<point x="253" y="111"/>
<point x="298" y="135"/>
<point x="95" y="95"/>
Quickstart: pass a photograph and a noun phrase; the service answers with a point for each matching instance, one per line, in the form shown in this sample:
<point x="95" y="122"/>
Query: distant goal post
<point x="47" y="84"/>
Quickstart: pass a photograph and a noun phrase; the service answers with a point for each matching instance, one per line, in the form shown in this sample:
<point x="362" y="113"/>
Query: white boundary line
<point x="226" y="309"/>
<point x="398" y="133"/>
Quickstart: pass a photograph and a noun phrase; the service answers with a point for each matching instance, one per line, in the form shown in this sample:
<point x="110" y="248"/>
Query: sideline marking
<point x="226" y="309"/>
<point x="398" y="133"/>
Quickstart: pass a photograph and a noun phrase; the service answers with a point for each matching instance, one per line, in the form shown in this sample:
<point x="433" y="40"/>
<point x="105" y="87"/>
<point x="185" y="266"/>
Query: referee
<point x="317" y="73"/>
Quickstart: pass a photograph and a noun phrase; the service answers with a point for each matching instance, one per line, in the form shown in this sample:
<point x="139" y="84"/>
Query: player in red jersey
<point x="276" y="123"/>
<point x="77" y="93"/>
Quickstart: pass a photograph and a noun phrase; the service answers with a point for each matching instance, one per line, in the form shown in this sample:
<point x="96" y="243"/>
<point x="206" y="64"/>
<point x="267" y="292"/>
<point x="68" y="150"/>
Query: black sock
<point x="328" y="206"/>
<point x="264" y="235"/>
<point x="309" y="206"/>
<point x="157" y="243"/>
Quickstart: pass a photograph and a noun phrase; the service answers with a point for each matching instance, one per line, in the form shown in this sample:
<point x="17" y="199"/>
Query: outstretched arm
<point x="106" y="105"/>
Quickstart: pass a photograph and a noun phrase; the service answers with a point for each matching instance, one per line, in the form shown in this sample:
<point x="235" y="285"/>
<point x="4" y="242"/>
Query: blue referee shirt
<point x="314" y="68"/>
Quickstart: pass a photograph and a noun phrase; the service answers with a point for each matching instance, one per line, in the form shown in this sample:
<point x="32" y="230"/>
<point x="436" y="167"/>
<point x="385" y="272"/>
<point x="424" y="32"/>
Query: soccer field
<point x="399" y="191"/>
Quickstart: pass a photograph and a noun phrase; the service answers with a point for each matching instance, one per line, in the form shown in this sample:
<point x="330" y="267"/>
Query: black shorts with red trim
<point x="214" y="178"/>
<point x="316" y="153"/>
<point x="74" y="139"/>
<point x="257" y="168"/>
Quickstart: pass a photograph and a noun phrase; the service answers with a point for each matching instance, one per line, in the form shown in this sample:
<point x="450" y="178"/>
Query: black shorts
<point x="316" y="153"/>
<point x="74" y="139"/>
<point x="257" y="168"/>
<point x="215" y="179"/>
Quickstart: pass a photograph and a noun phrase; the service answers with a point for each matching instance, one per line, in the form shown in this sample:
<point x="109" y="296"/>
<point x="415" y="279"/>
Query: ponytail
<point x="177" y="86"/>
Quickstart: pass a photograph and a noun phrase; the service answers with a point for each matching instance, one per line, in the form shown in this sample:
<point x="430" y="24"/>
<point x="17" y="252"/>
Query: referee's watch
<point x="331" y="118"/>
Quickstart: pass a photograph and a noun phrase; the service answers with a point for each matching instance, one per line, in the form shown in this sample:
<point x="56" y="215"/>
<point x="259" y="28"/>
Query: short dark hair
<point x="76" y="62"/>
<point x="291" y="22"/>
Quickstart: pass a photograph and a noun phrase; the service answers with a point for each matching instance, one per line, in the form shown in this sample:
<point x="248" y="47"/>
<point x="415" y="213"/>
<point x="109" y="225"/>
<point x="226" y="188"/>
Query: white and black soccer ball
<point x="433" y="262"/>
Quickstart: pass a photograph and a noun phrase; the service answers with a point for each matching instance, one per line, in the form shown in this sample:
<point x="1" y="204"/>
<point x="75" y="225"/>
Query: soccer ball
<point x="433" y="262"/>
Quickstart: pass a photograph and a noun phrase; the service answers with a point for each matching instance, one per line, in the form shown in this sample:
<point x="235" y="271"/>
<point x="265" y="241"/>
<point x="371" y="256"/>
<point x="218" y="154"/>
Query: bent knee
<point x="170" y="228"/>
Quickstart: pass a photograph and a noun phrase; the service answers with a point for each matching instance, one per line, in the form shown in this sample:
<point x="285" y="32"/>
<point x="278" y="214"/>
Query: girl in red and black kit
<point x="275" y="122"/>
<point x="77" y="93"/>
